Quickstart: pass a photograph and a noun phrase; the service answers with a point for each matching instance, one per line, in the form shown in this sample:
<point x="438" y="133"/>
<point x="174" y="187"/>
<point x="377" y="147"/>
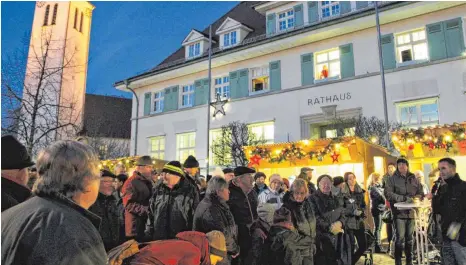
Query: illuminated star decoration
<point x="255" y="160"/>
<point x="218" y="105"/>
<point x="335" y="157"/>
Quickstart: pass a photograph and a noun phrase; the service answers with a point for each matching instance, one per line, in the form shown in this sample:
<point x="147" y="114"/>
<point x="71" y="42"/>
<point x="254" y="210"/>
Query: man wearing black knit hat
<point x="191" y="170"/>
<point x="15" y="163"/>
<point x="403" y="186"/>
<point x="172" y="205"/>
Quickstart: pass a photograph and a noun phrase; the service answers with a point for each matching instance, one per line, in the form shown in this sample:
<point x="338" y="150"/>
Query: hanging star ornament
<point x="218" y="105"/>
<point x="255" y="160"/>
<point x="335" y="157"/>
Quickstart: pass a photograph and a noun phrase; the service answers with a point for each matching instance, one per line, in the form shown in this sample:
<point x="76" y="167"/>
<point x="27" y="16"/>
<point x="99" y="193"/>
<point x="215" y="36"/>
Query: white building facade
<point x="288" y="68"/>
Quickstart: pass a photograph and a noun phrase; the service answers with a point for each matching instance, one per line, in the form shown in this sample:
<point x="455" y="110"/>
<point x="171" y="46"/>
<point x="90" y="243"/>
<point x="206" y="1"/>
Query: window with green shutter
<point x="271" y="26"/>
<point x="454" y="37"/>
<point x="243" y="83"/>
<point x="313" y="11"/>
<point x="147" y="103"/>
<point x="388" y="51"/>
<point x="436" y="41"/>
<point x="275" y="76"/>
<point x="201" y="88"/>
<point x="234" y="84"/>
<point x="346" y="60"/>
<point x="171" y="99"/>
<point x="298" y="16"/>
<point x="307" y="69"/>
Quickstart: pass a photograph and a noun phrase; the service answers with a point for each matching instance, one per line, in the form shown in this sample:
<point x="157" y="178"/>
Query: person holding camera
<point x="403" y="186"/>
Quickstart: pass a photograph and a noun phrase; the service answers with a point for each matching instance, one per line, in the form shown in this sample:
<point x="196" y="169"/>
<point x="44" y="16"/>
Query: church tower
<point x="57" y="63"/>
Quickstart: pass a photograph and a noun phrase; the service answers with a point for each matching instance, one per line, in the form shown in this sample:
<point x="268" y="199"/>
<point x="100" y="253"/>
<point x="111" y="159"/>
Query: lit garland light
<point x="127" y="162"/>
<point x="439" y="137"/>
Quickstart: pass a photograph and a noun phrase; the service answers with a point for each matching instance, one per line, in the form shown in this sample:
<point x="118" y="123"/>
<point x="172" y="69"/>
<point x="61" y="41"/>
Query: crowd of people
<point x="77" y="213"/>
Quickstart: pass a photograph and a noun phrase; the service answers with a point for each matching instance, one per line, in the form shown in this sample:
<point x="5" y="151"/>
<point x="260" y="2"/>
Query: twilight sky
<point x="127" y="38"/>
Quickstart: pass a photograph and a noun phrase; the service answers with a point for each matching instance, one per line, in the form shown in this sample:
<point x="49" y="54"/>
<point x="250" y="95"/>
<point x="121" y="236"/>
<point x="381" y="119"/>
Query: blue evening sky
<point x="127" y="38"/>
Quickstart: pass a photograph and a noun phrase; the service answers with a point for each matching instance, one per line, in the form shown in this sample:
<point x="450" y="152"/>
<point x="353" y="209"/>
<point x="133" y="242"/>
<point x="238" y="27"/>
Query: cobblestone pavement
<point x="379" y="259"/>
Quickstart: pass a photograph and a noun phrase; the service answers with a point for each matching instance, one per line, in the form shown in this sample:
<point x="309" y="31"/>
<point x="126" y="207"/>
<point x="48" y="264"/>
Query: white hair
<point x="419" y="173"/>
<point x="216" y="184"/>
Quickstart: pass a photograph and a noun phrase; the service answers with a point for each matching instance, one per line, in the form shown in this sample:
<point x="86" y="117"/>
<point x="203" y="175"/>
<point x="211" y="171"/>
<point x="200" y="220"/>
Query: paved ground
<point x="379" y="259"/>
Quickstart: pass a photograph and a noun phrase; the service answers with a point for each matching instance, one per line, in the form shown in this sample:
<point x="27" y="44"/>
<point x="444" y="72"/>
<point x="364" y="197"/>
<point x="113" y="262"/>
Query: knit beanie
<point x="258" y="175"/>
<point x="107" y="173"/>
<point x="173" y="167"/>
<point x="282" y="215"/>
<point x="402" y="160"/>
<point x="191" y="162"/>
<point x="265" y="211"/>
<point x="338" y="180"/>
<point x="217" y="243"/>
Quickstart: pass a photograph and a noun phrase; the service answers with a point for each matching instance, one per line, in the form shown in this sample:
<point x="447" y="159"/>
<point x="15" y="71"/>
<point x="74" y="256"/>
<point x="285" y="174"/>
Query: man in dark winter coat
<point x="55" y="227"/>
<point x="403" y="186"/>
<point x="213" y="213"/>
<point x="391" y="168"/>
<point x="137" y="192"/>
<point x="243" y="205"/>
<point x="450" y="203"/>
<point x="191" y="168"/>
<point x="106" y="207"/>
<point x="259" y="185"/>
<point x="334" y="245"/>
<point x="172" y="205"/>
<point x="306" y="174"/>
<point x="15" y="161"/>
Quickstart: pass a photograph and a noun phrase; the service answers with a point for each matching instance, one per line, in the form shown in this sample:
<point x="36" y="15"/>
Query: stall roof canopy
<point x="431" y="142"/>
<point x="317" y="152"/>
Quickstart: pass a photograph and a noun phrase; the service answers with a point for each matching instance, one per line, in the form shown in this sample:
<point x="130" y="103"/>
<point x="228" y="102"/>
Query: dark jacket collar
<point x="15" y="190"/>
<point x="62" y="199"/>
<point x="453" y="180"/>
<point x="214" y="199"/>
<point x="408" y="174"/>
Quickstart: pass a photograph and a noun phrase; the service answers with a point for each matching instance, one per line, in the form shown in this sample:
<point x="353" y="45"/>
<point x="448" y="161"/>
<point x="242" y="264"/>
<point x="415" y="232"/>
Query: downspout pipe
<point x="137" y="117"/>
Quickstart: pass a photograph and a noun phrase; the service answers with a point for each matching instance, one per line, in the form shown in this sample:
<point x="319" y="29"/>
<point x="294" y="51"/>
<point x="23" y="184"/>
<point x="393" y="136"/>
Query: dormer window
<point x="194" y="50"/>
<point x="286" y="20"/>
<point x="229" y="39"/>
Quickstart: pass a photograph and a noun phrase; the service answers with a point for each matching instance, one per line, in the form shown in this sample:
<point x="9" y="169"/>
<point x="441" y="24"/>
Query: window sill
<point x="408" y="63"/>
<point x="318" y="81"/>
<point x="156" y="112"/>
<point x="214" y="99"/>
<point x="185" y="107"/>
<point x="253" y="93"/>
<point x="229" y="46"/>
<point x="193" y="57"/>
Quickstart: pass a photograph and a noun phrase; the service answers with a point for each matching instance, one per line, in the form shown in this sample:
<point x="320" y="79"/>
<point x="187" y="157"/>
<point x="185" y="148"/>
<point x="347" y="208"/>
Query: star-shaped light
<point x="335" y="157"/>
<point x="218" y="105"/>
<point x="255" y="160"/>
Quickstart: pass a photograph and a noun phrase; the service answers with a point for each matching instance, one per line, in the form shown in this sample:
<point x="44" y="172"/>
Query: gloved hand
<point x="409" y="200"/>
<point x="357" y="212"/>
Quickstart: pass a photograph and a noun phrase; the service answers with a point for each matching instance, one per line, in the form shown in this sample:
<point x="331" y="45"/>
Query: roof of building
<point x="243" y="12"/>
<point x="107" y="116"/>
<point x="246" y="14"/>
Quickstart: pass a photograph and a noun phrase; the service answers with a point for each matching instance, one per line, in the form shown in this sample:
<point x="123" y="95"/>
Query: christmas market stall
<point x="424" y="147"/>
<point x="326" y="156"/>
<point x="129" y="163"/>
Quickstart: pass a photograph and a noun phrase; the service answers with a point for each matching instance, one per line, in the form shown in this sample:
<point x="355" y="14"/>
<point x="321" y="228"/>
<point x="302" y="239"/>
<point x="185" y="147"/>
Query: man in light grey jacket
<point x="403" y="186"/>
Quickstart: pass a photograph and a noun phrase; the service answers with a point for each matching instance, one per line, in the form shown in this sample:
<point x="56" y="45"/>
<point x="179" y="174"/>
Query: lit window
<point x="194" y="50"/>
<point x="222" y="87"/>
<point x="329" y="8"/>
<point x="263" y="131"/>
<point x="411" y="46"/>
<point x="103" y="149"/>
<point x="46" y="16"/>
<point x="216" y="144"/>
<point x="185" y="145"/>
<point x="229" y="39"/>
<point x="260" y="79"/>
<point x="54" y="16"/>
<point x="286" y="20"/>
<point x="187" y="96"/>
<point x="419" y="113"/>
<point x="329" y="131"/>
<point x="158" y="101"/>
<point x="157" y="147"/>
<point x="327" y="64"/>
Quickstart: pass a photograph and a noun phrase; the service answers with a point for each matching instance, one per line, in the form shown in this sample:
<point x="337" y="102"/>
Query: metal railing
<point x="262" y="37"/>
